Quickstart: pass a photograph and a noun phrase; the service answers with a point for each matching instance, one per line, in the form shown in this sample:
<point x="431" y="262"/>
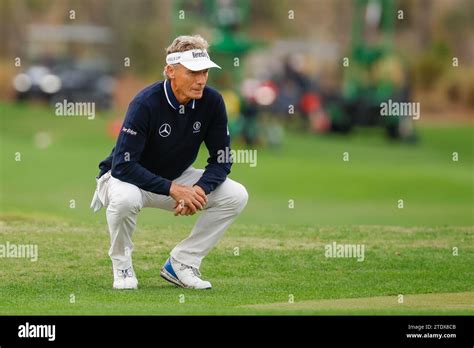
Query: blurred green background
<point x="308" y="170"/>
<point x="300" y="156"/>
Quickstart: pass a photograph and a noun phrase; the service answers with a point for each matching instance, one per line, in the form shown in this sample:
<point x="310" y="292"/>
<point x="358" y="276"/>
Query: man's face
<point x="187" y="82"/>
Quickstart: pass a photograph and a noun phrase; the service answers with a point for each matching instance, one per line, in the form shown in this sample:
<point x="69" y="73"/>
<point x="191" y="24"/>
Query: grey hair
<point x="186" y="43"/>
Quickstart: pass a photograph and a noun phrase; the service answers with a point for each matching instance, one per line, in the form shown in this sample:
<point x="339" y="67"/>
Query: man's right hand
<point x="187" y="194"/>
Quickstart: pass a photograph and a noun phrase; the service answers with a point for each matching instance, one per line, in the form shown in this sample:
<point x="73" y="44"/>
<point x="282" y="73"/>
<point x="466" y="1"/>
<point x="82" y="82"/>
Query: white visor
<point x="194" y="60"/>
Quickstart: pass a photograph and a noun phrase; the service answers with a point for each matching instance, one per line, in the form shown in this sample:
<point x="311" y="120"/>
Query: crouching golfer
<point x="151" y="166"/>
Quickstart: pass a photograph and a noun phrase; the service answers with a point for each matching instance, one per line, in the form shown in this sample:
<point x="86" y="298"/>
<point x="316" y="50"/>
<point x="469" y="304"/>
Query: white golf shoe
<point x="125" y="279"/>
<point x="183" y="275"/>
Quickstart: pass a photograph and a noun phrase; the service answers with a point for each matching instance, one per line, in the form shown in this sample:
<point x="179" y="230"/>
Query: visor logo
<point x="200" y="55"/>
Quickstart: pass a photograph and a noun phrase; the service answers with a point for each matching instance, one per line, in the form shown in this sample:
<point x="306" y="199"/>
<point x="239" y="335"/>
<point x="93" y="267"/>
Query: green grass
<point x="272" y="263"/>
<point x="408" y="251"/>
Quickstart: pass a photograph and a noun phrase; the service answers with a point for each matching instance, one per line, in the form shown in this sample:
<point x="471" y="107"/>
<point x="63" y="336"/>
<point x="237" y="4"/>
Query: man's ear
<point x="170" y="71"/>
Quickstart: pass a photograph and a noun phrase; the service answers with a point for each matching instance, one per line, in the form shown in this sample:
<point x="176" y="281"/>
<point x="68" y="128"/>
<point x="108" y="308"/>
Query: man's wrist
<point x="203" y="187"/>
<point x="168" y="184"/>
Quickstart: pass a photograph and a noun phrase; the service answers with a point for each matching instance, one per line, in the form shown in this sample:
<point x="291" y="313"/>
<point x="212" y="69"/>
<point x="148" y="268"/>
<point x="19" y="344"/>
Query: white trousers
<point x="124" y="201"/>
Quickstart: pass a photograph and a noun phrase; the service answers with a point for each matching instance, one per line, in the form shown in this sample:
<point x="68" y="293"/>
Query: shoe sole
<point x="125" y="288"/>
<point x="169" y="278"/>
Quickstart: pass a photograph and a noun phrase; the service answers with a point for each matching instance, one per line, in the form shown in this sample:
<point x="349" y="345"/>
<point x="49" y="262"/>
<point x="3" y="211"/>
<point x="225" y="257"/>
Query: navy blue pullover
<point x="160" y="138"/>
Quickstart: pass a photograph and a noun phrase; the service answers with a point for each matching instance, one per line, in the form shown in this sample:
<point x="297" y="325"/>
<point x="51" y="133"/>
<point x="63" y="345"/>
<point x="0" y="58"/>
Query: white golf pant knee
<point x="124" y="201"/>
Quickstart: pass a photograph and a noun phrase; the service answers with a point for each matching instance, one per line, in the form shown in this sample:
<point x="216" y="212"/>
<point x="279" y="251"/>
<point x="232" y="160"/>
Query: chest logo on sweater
<point x="164" y="130"/>
<point x="196" y="127"/>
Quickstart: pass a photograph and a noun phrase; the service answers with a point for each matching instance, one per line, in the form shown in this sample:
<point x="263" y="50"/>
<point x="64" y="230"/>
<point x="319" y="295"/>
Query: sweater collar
<point x="170" y="97"/>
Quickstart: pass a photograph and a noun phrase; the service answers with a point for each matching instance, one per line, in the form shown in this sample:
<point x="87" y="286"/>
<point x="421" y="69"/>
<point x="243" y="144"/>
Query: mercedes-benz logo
<point x="165" y="130"/>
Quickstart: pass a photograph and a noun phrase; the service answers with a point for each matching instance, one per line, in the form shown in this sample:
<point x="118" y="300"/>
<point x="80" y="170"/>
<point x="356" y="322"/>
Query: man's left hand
<point x="182" y="209"/>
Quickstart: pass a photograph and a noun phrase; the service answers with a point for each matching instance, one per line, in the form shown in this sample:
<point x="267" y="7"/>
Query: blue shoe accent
<point x="170" y="269"/>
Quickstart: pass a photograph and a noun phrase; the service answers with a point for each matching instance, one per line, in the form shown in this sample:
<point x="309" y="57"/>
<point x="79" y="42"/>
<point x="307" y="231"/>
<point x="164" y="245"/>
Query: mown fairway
<point x="408" y="251"/>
